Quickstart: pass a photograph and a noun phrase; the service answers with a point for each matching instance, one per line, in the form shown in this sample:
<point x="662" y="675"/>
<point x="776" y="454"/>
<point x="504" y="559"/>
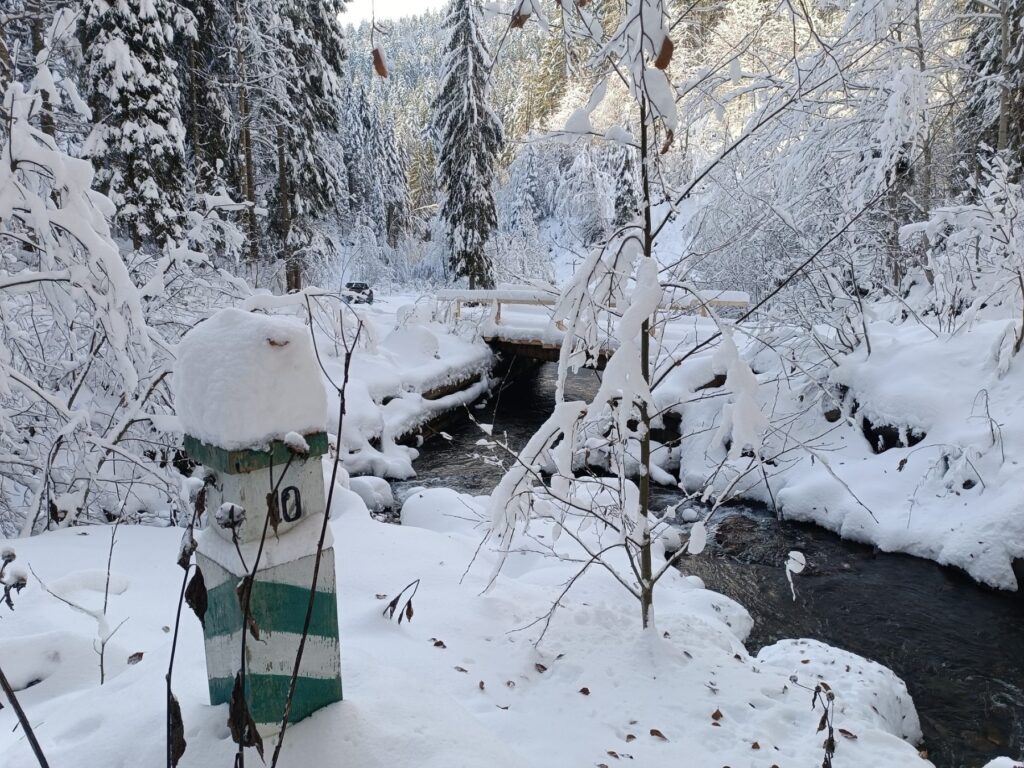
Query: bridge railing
<point x="535" y="297"/>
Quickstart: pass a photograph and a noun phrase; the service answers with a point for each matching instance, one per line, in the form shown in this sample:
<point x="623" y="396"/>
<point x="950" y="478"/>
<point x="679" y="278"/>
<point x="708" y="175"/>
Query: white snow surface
<point x="374" y="491"/>
<point x="486" y="698"/>
<point x="954" y="497"/>
<point x="243" y="379"/>
<point x="406" y="355"/>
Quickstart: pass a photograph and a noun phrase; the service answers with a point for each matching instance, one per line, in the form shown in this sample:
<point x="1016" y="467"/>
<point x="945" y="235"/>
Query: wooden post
<point x="280" y="591"/>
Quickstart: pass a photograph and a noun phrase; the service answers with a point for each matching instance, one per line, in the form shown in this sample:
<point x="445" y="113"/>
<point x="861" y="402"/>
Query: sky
<point x="359" y="10"/>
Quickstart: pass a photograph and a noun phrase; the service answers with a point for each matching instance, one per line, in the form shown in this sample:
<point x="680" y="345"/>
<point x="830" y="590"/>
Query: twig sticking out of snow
<point x="795" y="563"/>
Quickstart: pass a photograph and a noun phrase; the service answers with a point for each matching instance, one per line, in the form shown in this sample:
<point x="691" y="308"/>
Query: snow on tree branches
<point x="468" y="136"/>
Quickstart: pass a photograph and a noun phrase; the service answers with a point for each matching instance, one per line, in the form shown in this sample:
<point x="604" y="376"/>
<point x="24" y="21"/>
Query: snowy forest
<point x="521" y="383"/>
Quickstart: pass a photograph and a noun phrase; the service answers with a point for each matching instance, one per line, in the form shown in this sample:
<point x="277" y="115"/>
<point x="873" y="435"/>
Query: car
<point x="358" y="293"/>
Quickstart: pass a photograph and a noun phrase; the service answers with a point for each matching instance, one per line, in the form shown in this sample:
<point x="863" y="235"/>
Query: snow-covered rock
<point x="374" y="491"/>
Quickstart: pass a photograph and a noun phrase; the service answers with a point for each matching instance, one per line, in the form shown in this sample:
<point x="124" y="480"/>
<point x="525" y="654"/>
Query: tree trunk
<point x="248" y="184"/>
<point x="6" y="65"/>
<point x="646" y="566"/>
<point x="35" y="10"/>
<point x="925" y="175"/>
<point x="1004" y="96"/>
<point x="293" y="267"/>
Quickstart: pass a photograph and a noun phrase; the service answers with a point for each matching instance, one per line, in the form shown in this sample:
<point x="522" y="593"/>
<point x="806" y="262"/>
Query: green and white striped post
<point x="280" y="592"/>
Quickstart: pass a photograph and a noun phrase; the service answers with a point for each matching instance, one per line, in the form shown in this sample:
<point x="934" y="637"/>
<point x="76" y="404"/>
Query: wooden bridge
<point x="522" y="331"/>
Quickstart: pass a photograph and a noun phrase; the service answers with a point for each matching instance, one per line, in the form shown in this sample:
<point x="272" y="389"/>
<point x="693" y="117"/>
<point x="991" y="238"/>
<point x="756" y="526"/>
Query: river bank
<point x="966" y="677"/>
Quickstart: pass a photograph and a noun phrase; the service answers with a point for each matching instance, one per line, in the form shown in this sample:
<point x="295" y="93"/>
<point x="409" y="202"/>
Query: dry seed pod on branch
<point x="379" y="64"/>
<point x="665" y="53"/>
<point x="669" y="136"/>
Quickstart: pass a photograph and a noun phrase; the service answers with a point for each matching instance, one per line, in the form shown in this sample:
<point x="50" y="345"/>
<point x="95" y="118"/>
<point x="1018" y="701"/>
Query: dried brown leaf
<point x="240" y="722"/>
<point x="665" y="53"/>
<point x="196" y="597"/>
<point x="378" y="63"/>
<point x="273" y="510"/>
<point x="176" y="731"/>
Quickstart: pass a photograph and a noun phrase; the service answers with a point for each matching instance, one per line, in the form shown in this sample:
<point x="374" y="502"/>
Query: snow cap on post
<point x="243" y="380"/>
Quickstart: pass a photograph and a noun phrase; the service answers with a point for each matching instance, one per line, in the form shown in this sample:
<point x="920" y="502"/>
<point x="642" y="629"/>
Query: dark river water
<point x="959" y="647"/>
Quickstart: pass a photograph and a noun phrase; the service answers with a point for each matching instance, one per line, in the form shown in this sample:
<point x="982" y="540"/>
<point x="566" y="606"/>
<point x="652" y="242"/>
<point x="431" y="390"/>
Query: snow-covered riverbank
<point x="406" y="369"/>
<point x="461" y="684"/>
<point x="917" y="447"/>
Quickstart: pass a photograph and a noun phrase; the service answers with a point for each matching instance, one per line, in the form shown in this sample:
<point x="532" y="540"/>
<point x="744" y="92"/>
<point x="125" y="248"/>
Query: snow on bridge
<point x="517" y="320"/>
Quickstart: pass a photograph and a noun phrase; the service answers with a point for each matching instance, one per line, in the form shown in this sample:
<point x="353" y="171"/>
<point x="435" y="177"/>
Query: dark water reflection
<point x="958" y="646"/>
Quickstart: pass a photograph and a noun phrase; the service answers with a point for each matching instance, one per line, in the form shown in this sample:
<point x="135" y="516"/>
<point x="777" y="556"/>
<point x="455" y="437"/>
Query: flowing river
<point x="958" y="646"/>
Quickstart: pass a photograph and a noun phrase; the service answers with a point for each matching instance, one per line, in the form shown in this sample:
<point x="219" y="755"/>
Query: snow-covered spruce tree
<point x="392" y="168"/>
<point x="467" y="139"/>
<point x="207" y="75"/>
<point x="362" y="188"/>
<point x="302" y="102"/>
<point x="137" y="142"/>
<point x="377" y="172"/>
<point x="586" y="197"/>
<point x="286" y="60"/>
<point x="524" y="196"/>
<point x="621" y="162"/>
<point x="993" y="82"/>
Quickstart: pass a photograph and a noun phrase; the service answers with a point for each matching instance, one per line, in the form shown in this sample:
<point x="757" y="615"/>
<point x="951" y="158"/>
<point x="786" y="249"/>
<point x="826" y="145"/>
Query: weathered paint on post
<point x="280" y="596"/>
<point x="280" y="593"/>
<point x="245" y="477"/>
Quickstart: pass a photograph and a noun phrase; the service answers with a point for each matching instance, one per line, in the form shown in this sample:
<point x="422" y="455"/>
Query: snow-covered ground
<point x="462" y="684"/>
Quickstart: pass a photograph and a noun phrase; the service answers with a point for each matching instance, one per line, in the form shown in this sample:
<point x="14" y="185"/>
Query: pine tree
<point x="303" y="106"/>
<point x="524" y="190"/>
<point x="207" y="74"/>
<point x="468" y="137"/>
<point x="395" y="189"/>
<point x="287" y="59"/>
<point x="622" y="169"/>
<point x="137" y="143"/>
<point x="993" y="82"/>
<point x="356" y="132"/>
<point x="390" y="169"/>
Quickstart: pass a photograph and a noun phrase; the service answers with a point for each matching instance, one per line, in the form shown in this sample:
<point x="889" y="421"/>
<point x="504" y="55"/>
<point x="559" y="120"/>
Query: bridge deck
<point x="517" y="321"/>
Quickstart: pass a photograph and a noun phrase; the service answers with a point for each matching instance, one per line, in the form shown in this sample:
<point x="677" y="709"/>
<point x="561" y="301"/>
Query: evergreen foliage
<point x="137" y="142"/>
<point x="468" y="137"/>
